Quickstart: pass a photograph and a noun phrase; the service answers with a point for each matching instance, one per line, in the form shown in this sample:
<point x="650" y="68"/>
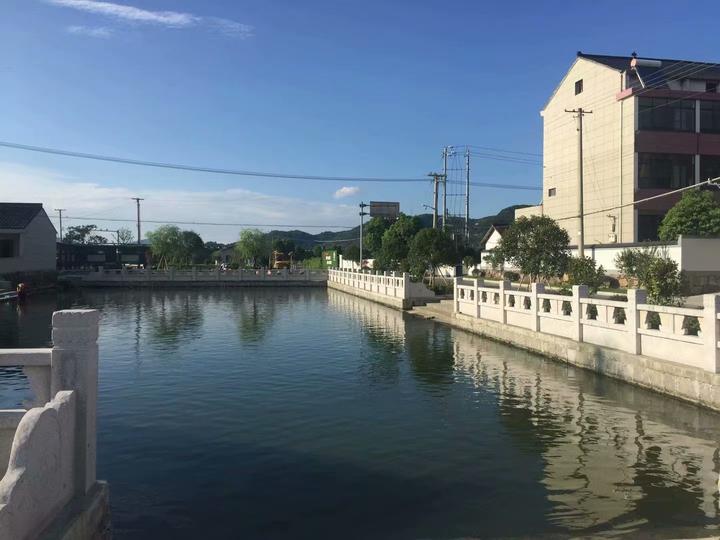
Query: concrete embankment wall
<point x="397" y="303"/>
<point x="690" y="384"/>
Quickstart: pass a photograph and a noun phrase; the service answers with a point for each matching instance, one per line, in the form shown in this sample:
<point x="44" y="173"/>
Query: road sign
<point x="389" y="210"/>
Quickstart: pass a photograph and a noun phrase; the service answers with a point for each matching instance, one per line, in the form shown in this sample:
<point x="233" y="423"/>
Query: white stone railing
<point x="48" y="453"/>
<point x="390" y="284"/>
<point x="201" y="274"/>
<point x="678" y="334"/>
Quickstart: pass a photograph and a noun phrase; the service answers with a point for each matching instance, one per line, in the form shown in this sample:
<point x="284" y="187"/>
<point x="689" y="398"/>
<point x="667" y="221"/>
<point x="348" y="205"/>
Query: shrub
<point x="654" y="271"/>
<point x="511" y="276"/>
<point x="582" y="271"/>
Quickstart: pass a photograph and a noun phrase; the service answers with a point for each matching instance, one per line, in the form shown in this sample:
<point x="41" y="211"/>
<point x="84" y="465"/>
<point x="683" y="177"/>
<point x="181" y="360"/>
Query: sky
<point x="370" y="88"/>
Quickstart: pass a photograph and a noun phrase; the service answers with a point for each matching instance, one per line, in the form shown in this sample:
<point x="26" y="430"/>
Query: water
<point x="302" y="413"/>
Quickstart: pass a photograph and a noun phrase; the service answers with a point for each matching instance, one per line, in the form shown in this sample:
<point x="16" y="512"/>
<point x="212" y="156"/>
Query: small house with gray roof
<point x="27" y="239"/>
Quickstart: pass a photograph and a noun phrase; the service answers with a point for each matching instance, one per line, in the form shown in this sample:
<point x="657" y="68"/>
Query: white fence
<point x="197" y="274"/>
<point x="679" y="334"/>
<point x="393" y="286"/>
<point x="48" y="453"/>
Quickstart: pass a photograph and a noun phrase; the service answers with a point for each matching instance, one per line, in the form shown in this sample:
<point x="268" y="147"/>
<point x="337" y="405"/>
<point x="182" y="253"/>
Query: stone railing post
<point x="535" y="289"/>
<point x="406" y="285"/>
<point x="479" y="282"/>
<point x="172" y="273"/>
<point x="194" y="273"/>
<point x="74" y="366"/>
<point x="456" y="296"/>
<point x="504" y="285"/>
<point x="578" y="292"/>
<point x="632" y="319"/>
<point x="710" y="333"/>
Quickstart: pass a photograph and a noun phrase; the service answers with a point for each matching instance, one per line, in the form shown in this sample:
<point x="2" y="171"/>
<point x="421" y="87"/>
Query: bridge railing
<point x="205" y="275"/>
<point x="685" y="335"/>
<point x="48" y="448"/>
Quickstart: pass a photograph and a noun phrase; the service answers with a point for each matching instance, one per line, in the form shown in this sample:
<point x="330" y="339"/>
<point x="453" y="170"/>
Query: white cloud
<point x="168" y="19"/>
<point x="346" y="191"/>
<point x="88" y="200"/>
<point x="92" y="31"/>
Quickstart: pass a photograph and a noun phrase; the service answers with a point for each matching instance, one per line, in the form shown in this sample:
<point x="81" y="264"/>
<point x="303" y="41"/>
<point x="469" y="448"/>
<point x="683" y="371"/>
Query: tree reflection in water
<point x="255" y="314"/>
<point x="174" y="319"/>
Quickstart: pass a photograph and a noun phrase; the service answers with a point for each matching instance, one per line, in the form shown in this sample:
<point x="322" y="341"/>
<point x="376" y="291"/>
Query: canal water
<point x="305" y="413"/>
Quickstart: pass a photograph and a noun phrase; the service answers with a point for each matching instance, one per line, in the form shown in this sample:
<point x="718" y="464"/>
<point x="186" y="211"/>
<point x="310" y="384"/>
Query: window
<point x="648" y="226"/>
<point x="7" y="248"/>
<point x="663" y="114"/>
<point x="551" y="192"/>
<point x="665" y="171"/>
<point x="710" y="116"/>
<point x="578" y="87"/>
<point x="709" y="167"/>
<point x="711" y="86"/>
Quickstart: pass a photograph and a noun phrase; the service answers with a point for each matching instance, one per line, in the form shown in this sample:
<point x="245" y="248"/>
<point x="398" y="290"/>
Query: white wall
<point x="37" y="250"/>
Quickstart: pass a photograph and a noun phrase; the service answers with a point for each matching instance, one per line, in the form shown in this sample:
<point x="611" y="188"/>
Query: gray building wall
<point x="36" y="250"/>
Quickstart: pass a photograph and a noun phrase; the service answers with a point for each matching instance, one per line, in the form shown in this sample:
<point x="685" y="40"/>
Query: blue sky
<point x="329" y="87"/>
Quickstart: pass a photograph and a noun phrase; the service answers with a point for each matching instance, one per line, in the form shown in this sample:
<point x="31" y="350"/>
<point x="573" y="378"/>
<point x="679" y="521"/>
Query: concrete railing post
<point x="504" y="285"/>
<point x="406" y="285"/>
<point x="535" y="289"/>
<point x="172" y="274"/>
<point x="710" y="333"/>
<point x="194" y="273"/>
<point x="578" y="292"/>
<point x="74" y="366"/>
<point x="632" y="319"/>
<point x="479" y="282"/>
<point x="456" y="296"/>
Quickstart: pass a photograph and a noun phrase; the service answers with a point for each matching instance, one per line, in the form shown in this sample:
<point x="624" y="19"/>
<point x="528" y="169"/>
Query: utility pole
<point x="581" y="208"/>
<point x="363" y="213"/>
<point x="445" y="169"/>
<point x="137" y="200"/>
<point x="60" y="211"/>
<point x="436" y="181"/>
<point x="467" y="196"/>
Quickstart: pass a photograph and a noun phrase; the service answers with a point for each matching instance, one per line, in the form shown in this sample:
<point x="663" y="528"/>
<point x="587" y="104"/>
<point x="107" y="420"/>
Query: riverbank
<point x="690" y="384"/>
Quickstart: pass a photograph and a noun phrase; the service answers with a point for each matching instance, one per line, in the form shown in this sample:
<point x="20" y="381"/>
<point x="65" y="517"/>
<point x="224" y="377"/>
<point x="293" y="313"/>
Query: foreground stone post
<point x="194" y="273"/>
<point x="711" y="308"/>
<point x="632" y="319"/>
<point x="505" y="285"/>
<point x="456" y="296"/>
<point x="406" y="285"/>
<point x="74" y="366"/>
<point x="535" y="289"/>
<point x="579" y="291"/>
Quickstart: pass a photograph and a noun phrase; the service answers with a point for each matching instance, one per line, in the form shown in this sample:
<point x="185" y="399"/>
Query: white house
<point x="493" y="236"/>
<point x="27" y="239"/>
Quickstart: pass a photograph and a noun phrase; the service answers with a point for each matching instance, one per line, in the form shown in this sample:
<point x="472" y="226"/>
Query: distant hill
<point x="478" y="227"/>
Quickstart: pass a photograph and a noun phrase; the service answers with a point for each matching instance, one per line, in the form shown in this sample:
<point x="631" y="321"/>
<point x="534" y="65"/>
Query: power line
<point x="194" y="168"/>
<point x="207" y="223"/>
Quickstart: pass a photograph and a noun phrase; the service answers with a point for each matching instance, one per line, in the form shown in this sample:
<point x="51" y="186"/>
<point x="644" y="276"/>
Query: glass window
<point x="663" y="114"/>
<point x="7" y="248"/>
<point x="711" y="86"/>
<point x="551" y="192"/>
<point x="710" y="116"/>
<point x="665" y="171"/>
<point x="578" y="87"/>
<point x="648" y="225"/>
<point x="709" y="167"/>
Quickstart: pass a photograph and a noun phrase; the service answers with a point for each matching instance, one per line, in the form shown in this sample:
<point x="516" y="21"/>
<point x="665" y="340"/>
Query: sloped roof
<point x="499" y="227"/>
<point x="18" y="215"/>
<point x="668" y="70"/>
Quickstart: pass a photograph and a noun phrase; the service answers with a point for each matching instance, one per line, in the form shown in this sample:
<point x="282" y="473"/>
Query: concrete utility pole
<point x="137" y="200"/>
<point x="436" y="180"/>
<point x="581" y="208"/>
<point x="60" y="211"/>
<point x="467" y="196"/>
<point x="445" y="169"/>
<point x="363" y="213"/>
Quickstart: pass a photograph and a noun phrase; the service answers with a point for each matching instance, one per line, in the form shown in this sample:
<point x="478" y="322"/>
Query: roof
<point x="499" y="227"/>
<point x="668" y="69"/>
<point x="18" y="215"/>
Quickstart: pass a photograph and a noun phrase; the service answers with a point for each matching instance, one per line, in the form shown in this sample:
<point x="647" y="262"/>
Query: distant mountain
<point x="478" y="227"/>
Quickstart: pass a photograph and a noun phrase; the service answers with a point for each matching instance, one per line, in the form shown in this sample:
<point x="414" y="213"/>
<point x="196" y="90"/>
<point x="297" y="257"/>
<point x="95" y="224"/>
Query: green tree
<point x="252" y="247"/>
<point x="653" y="271"/>
<point x="429" y="249"/>
<point x="395" y="246"/>
<point x="166" y="243"/>
<point x="283" y="245"/>
<point x="193" y="249"/>
<point x="83" y="234"/>
<point x="125" y="236"/>
<point x="696" y="214"/>
<point x="373" y="235"/>
<point x="352" y="253"/>
<point x="537" y="245"/>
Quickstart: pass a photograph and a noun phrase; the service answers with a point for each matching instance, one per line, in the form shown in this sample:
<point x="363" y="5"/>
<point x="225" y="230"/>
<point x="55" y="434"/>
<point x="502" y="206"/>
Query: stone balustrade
<point x="203" y="275"/>
<point x="391" y="288"/>
<point x="48" y="449"/>
<point x="678" y="334"/>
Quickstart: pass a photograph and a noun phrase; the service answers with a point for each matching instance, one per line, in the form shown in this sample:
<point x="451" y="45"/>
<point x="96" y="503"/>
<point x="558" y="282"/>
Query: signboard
<point x="330" y="258"/>
<point x="388" y="210"/>
<point x="130" y="258"/>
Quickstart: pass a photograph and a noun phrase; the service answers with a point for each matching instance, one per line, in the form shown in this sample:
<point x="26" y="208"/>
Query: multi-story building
<point x="652" y="126"/>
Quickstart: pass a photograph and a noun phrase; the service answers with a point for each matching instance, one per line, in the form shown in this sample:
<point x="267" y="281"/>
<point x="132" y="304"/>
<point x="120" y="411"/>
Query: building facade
<point x="651" y="126"/>
<point x="27" y="239"/>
